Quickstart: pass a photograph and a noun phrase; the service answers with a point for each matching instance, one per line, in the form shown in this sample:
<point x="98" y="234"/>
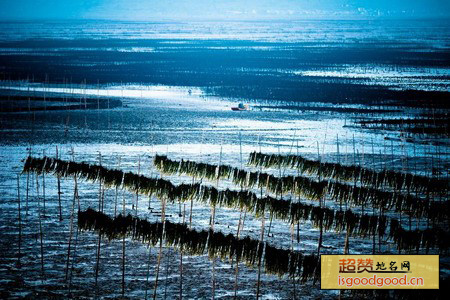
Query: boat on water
<point x="241" y="106"/>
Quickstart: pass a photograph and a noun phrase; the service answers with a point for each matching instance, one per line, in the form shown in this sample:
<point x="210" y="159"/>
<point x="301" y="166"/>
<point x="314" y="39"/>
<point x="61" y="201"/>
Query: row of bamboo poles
<point x="191" y="242"/>
<point x="310" y="189"/>
<point x="363" y="225"/>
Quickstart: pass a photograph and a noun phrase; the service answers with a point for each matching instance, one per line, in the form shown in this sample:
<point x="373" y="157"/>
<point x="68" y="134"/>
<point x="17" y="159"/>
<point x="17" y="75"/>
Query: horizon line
<point x="181" y="20"/>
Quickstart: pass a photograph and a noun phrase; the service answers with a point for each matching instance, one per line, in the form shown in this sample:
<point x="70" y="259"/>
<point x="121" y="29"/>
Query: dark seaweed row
<point x="216" y="244"/>
<point x="309" y="188"/>
<point x="338" y="171"/>
<point x="362" y="225"/>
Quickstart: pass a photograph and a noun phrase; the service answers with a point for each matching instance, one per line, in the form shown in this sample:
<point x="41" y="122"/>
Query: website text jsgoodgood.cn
<point x="380" y="281"/>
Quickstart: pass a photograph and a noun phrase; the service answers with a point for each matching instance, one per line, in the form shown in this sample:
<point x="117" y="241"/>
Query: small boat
<point x="241" y="106"/>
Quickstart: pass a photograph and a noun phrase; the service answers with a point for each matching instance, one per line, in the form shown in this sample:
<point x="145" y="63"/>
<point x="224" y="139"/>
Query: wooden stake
<point x="77" y="197"/>
<point x="236" y="272"/>
<point x="40" y="229"/>
<point x="192" y="204"/>
<point x="100" y="185"/>
<point x="19" y="219"/>
<point x="163" y="216"/>
<point x="116" y="193"/>
<point x="261" y="242"/>
<point x="27" y="192"/>
<point x="320" y="205"/>
<point x="298" y="222"/>
<point x="373" y="205"/>
<point x="339" y="162"/>
<point x="292" y="249"/>
<point x="213" y="217"/>
<point x="43" y="187"/>
<point x="167" y="273"/>
<point x="148" y="270"/>
<point x="181" y="258"/>
<point x="59" y="190"/>
<point x="137" y="193"/>
<point x="123" y="251"/>
<point x="72" y="215"/>
<point x="100" y="208"/>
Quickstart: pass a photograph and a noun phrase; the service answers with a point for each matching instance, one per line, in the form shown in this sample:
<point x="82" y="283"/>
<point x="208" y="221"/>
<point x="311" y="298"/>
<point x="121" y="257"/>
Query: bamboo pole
<point x="75" y="246"/>
<point x="213" y="216"/>
<point x="40" y="230"/>
<point x="43" y="187"/>
<point x="347" y="236"/>
<point x="381" y="209"/>
<point x="151" y="175"/>
<point x="363" y="164"/>
<point x="160" y="249"/>
<point x="19" y="220"/>
<point x="123" y="249"/>
<point x="100" y="185"/>
<point x="100" y="206"/>
<point x="373" y="205"/>
<point x="298" y="222"/>
<point x="116" y="193"/>
<point x="192" y="204"/>
<point x="339" y="162"/>
<point x="292" y="229"/>
<point x="72" y="215"/>
<point x="163" y="219"/>
<point x="236" y="272"/>
<point x="59" y="190"/>
<point x="137" y="192"/>
<point x="27" y="190"/>
<point x="181" y="259"/>
<point x="281" y="186"/>
<point x="320" y="205"/>
<point x="270" y="222"/>
<point x="261" y="244"/>
<point x="384" y="167"/>
<point x="193" y="181"/>
<point x="408" y="187"/>
<point x="415" y="172"/>
<point x="261" y="239"/>
<point x="340" y="200"/>
<point x="148" y="271"/>
<point x="395" y="190"/>
<point x="167" y="273"/>
<point x="271" y="214"/>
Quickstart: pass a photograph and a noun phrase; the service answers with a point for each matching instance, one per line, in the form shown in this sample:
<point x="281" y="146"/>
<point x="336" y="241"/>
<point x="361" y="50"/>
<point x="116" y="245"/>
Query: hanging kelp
<point x="216" y="244"/>
<point x="285" y="210"/>
<point x="300" y="185"/>
<point x="252" y="251"/>
<point x="412" y="205"/>
<point x="310" y="268"/>
<point x="113" y="178"/>
<point x="276" y="260"/>
<point x="191" y="168"/>
<point x="414" y="239"/>
<point x="338" y="171"/>
<point x="313" y="190"/>
<point x="351" y="220"/>
<point x="295" y="263"/>
<point x="339" y="218"/>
